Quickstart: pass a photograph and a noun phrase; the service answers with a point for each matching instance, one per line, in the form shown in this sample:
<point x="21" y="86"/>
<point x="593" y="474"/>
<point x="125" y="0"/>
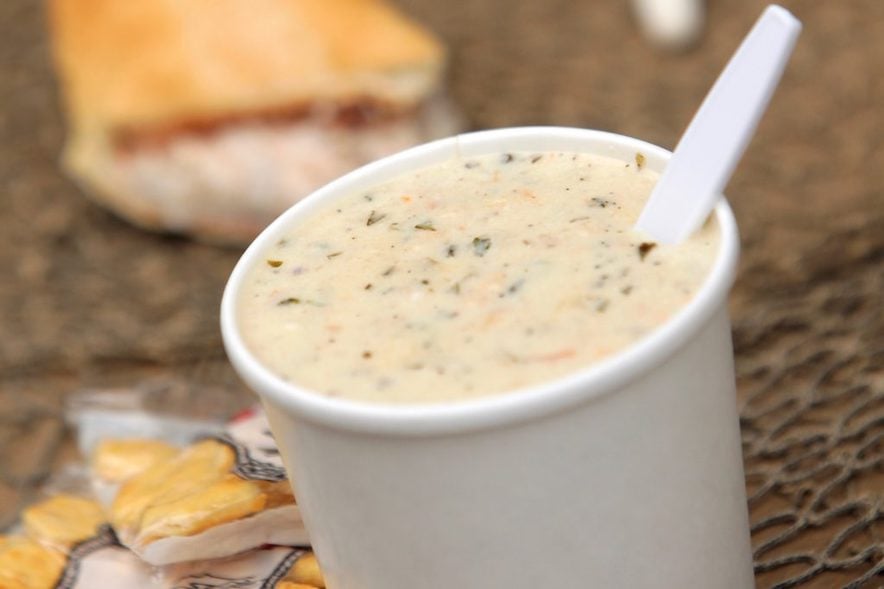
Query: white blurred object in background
<point x="670" y="23"/>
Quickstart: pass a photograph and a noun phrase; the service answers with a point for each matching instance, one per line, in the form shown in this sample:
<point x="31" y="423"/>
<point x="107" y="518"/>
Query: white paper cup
<point x="627" y="474"/>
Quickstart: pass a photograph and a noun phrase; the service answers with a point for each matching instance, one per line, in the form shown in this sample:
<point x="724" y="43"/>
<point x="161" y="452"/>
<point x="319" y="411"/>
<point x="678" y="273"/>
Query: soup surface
<point x="472" y="277"/>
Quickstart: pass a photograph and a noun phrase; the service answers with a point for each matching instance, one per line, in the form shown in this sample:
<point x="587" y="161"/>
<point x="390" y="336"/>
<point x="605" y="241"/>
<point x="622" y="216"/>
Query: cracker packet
<point x="158" y="409"/>
<point x="268" y="568"/>
<point x="219" y="496"/>
<point x="65" y="537"/>
<point x="65" y="543"/>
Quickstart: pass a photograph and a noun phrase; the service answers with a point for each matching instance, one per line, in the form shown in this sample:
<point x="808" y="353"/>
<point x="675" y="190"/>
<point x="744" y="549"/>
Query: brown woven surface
<point x="86" y="300"/>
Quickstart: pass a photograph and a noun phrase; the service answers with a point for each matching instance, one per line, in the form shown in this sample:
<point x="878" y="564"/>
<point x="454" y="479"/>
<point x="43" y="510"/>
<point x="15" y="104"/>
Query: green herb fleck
<point x="425" y="226"/>
<point x="333" y="255"/>
<point x="513" y="288"/>
<point x="274" y="263"/>
<point x="289" y="301"/>
<point x="481" y="245"/>
<point x="374" y="217"/>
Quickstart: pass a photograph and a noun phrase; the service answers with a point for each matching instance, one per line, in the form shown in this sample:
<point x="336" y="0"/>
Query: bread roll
<point x="210" y="117"/>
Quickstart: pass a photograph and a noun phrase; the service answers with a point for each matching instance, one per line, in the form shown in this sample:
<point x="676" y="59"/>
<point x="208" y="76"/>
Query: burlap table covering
<point x="87" y="301"/>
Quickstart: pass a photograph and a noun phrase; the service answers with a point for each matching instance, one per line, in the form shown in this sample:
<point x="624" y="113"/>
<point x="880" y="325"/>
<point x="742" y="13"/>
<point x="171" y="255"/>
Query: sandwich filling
<point x="250" y="168"/>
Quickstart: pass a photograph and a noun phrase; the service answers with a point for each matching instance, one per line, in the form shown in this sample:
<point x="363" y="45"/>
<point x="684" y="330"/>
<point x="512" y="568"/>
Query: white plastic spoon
<point x="716" y="138"/>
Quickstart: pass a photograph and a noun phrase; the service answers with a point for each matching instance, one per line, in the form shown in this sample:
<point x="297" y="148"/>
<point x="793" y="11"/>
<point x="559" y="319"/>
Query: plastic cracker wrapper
<point x="270" y="568"/>
<point x="158" y="409"/>
<point x="66" y="544"/>
<point x="65" y="538"/>
<point x="217" y="497"/>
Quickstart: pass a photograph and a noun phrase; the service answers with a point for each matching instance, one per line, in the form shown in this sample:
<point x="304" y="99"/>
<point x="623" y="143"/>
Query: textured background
<point x="88" y="301"/>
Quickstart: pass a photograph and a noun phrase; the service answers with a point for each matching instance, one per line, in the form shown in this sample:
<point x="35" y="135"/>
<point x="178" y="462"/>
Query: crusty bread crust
<point x="143" y="62"/>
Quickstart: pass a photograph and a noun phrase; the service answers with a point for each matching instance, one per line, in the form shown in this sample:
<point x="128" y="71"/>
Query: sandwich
<point x="211" y="117"/>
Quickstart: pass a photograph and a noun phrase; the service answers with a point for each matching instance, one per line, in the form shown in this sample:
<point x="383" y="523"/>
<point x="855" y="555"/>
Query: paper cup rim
<point x="594" y="381"/>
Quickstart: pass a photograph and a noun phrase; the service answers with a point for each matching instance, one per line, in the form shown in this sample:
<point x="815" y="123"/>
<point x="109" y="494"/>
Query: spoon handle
<point x="716" y="138"/>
